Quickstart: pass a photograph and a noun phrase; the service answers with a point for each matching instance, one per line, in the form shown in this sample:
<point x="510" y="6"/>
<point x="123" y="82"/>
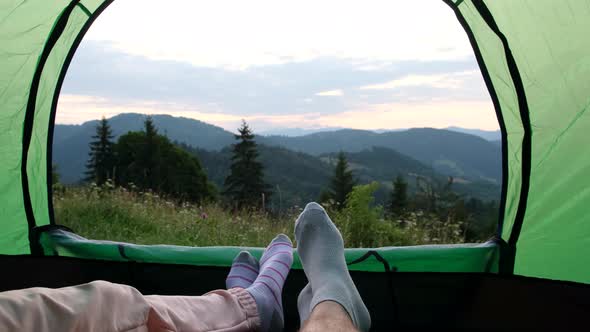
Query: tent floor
<point x="397" y="301"/>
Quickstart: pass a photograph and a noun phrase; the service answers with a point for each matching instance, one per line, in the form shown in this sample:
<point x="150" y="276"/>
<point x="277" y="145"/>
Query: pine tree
<point x="99" y="166"/>
<point x="399" y="197"/>
<point x="342" y="182"/>
<point x="151" y="156"/>
<point x="245" y="186"/>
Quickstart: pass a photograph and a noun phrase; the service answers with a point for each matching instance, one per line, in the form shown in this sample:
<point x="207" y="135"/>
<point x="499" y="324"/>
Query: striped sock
<point x="267" y="288"/>
<point x="244" y="270"/>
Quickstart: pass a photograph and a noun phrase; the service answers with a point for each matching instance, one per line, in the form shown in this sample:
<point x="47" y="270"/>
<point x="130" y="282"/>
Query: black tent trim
<point x="30" y="116"/>
<point x="62" y="75"/>
<point x="498" y="109"/>
<point x="84" y="9"/>
<point x="388" y="272"/>
<point x="527" y="135"/>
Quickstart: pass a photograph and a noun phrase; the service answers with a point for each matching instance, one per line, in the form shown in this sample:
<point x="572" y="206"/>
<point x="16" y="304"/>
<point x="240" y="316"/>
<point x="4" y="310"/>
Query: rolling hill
<point x="300" y="166"/>
<point x="71" y="141"/>
<point x="448" y="152"/>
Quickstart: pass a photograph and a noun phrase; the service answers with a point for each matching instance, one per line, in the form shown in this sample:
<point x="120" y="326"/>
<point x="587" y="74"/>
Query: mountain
<point x="448" y="152"/>
<point x="383" y="165"/>
<point x="488" y="135"/>
<point x="468" y="158"/>
<point x="71" y="141"/>
<point x="294" y="132"/>
<point x="296" y="178"/>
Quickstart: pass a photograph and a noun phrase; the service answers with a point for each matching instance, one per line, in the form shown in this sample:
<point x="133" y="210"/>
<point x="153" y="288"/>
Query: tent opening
<point x="393" y="133"/>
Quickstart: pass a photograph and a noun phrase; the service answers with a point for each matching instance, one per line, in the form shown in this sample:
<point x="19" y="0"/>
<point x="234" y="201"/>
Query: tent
<point x="535" y="60"/>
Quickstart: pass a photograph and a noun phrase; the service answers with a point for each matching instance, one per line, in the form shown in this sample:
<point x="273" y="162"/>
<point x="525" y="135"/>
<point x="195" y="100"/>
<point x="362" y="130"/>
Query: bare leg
<point x="329" y="316"/>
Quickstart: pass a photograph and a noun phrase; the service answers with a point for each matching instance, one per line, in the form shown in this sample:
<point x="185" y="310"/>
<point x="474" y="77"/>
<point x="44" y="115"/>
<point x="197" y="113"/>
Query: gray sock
<point x="303" y="303"/>
<point x="321" y="250"/>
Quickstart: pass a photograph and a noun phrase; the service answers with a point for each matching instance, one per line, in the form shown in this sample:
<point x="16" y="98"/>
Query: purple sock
<point x="268" y="286"/>
<point x="244" y="270"/>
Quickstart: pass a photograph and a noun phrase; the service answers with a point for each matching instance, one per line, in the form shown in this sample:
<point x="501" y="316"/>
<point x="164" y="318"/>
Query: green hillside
<point x="296" y="178"/>
<point x="71" y="141"/>
<point x="448" y="152"/>
<point x="383" y="165"/>
<point x="299" y="167"/>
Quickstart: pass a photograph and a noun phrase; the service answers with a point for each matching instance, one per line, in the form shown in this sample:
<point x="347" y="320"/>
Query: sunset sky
<point x="303" y="64"/>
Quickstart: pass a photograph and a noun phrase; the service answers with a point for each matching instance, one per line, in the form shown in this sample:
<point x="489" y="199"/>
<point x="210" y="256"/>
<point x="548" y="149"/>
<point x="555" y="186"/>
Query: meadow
<point x="119" y="214"/>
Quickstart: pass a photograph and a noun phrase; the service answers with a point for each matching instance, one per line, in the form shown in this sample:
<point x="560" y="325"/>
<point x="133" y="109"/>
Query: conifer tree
<point x="245" y="186"/>
<point x="99" y="166"/>
<point x="342" y="182"/>
<point x="150" y="157"/>
<point x="399" y="197"/>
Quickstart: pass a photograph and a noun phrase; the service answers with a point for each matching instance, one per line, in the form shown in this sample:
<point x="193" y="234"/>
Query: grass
<point x="117" y="214"/>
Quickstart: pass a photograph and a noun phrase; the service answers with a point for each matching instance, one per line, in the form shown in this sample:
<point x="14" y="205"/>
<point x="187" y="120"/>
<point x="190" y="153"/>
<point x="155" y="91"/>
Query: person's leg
<point x="104" y="306"/>
<point x="231" y="310"/>
<point x="219" y="310"/>
<point x="321" y="250"/>
<point x="96" y="306"/>
<point x="328" y="316"/>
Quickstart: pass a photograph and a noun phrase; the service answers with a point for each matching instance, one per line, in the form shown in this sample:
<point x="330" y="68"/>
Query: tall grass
<point x="117" y="214"/>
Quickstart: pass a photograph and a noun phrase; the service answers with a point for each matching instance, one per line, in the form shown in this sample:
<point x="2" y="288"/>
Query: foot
<point x="267" y="289"/>
<point x="244" y="270"/>
<point x="321" y="250"/>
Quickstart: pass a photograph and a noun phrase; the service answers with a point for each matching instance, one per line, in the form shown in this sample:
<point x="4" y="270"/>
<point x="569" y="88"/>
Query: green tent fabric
<point x="533" y="55"/>
<point x="537" y="60"/>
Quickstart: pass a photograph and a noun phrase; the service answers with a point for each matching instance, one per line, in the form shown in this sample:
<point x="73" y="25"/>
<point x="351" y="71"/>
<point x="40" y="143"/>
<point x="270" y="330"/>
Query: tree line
<point x="147" y="160"/>
<point x="432" y="198"/>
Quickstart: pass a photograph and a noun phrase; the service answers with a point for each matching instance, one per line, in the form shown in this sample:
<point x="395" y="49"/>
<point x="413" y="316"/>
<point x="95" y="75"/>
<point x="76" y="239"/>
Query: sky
<point x="368" y="64"/>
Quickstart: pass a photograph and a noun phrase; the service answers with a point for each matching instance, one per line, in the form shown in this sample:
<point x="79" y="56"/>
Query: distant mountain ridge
<point x="71" y="141"/>
<point x="488" y="135"/>
<point x="297" y="178"/>
<point x="447" y="152"/>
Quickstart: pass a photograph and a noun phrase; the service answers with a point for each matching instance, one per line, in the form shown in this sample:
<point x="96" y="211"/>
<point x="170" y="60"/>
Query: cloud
<point x="104" y="81"/>
<point x="437" y="114"/>
<point x="330" y="93"/>
<point x="69" y="107"/>
<point x="267" y="32"/>
<point x="440" y="81"/>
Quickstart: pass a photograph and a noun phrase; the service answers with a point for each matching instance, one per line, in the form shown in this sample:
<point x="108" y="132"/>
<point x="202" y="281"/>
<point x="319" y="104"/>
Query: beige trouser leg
<point x="103" y="306"/>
